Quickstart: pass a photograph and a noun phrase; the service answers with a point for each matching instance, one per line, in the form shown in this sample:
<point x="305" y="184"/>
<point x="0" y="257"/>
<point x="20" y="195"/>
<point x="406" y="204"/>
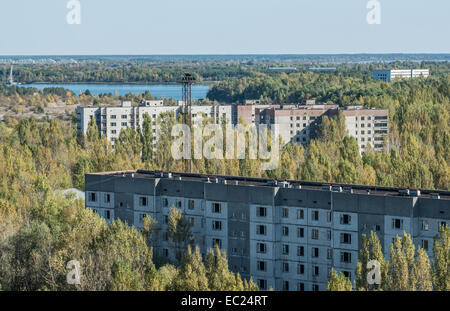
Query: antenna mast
<point x="187" y="81"/>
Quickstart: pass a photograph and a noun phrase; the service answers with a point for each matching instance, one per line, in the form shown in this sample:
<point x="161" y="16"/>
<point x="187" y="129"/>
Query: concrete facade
<point x="285" y="236"/>
<point x="296" y="123"/>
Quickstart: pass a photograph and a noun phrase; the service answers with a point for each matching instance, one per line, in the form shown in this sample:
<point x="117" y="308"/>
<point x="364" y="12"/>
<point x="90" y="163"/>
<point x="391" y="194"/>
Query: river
<point x="158" y="90"/>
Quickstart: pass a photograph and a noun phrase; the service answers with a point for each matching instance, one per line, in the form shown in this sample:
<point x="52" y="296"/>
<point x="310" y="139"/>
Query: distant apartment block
<point x="389" y="75"/>
<point x="112" y="119"/>
<point x="297" y="123"/>
<point x="286" y="235"/>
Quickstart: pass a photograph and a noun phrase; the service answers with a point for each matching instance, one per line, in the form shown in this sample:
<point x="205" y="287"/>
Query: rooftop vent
<point x="326" y="187"/>
<point x="272" y="182"/>
<point x="167" y="175"/>
<point x="297" y="186"/>
<point x="158" y="174"/>
<point x="236" y="182"/>
<point x="403" y="192"/>
<point x="414" y="193"/>
<point x="177" y="177"/>
<point x="223" y="181"/>
<point x="348" y="190"/>
<point x="336" y="188"/>
<point x="283" y="184"/>
<point x="205" y="179"/>
<point x="435" y="196"/>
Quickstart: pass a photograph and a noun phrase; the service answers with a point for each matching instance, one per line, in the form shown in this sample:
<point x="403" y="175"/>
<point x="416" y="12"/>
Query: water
<point x="157" y="90"/>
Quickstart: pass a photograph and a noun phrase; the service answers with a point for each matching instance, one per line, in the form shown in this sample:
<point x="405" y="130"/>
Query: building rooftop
<point x="296" y="184"/>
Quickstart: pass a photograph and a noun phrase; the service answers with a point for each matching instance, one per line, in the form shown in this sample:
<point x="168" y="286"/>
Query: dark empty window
<point x="346" y="219"/>
<point x="346" y="238"/>
<point x="261" y="212"/>
<point x="261" y="230"/>
<point x="143" y="201"/>
<point x="216" y="208"/>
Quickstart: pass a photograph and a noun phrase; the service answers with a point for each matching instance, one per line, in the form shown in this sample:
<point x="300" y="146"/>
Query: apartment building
<point x="112" y="119"/>
<point x="368" y="126"/>
<point x="286" y="235"/>
<point x="389" y="75"/>
<point x="297" y="123"/>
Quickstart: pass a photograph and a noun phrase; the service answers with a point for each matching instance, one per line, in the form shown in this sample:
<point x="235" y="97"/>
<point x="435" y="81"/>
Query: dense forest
<point x="41" y="228"/>
<point x="206" y="69"/>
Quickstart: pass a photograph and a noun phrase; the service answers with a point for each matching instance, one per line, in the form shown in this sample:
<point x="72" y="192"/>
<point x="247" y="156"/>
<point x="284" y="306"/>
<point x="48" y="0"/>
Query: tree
<point x="441" y="255"/>
<point x="191" y="274"/>
<point x="338" y="282"/>
<point x="179" y="232"/>
<point x="147" y="139"/>
<point x="370" y="249"/>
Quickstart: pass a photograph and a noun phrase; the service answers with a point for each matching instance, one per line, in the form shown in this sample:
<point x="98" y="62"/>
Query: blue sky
<point x="39" y="27"/>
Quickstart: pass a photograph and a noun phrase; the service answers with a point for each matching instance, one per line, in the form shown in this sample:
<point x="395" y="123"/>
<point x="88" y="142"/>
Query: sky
<point x="141" y="27"/>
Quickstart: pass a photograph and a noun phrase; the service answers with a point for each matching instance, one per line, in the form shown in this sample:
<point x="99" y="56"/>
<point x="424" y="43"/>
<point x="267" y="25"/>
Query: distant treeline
<point x="140" y="71"/>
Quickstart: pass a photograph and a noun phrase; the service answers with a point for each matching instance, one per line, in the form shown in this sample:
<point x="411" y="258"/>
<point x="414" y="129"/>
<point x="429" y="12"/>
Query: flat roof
<point x="266" y="182"/>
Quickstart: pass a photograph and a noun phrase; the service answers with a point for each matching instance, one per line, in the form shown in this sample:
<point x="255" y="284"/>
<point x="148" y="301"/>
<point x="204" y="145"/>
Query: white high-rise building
<point x="389" y="75"/>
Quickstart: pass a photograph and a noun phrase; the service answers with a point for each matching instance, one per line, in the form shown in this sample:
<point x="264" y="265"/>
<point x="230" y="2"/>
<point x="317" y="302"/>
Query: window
<point x="285" y="231"/>
<point x="315" y="287"/>
<point x="143" y="201"/>
<point x="315" y="215"/>
<point x="142" y="216"/>
<point x="425" y="225"/>
<point x="300" y="251"/>
<point x="166" y="219"/>
<point x="166" y="252"/>
<point x="191" y="204"/>
<point x="192" y="221"/>
<point x="329" y="235"/>
<point x="92" y="197"/>
<point x="217" y="242"/>
<point x="261" y="266"/>
<point x="397" y="223"/>
<point x="301" y="286"/>
<point x="443" y="224"/>
<point x="300" y="213"/>
<point x="315" y="234"/>
<point x="262" y="284"/>
<point x="346" y="219"/>
<point x="425" y="244"/>
<point x="217" y="225"/>
<point x="124" y="123"/>
<point x="261" y="248"/>
<point x="285" y="249"/>
<point x="285" y="267"/>
<point x="261" y="229"/>
<point x="346" y="238"/>
<point x="216" y="208"/>
<point x="107" y="198"/>
<point x="113" y="132"/>
<point x="124" y="116"/>
<point x="285" y="212"/>
<point x="329" y="216"/>
<point x="108" y="214"/>
<point x="347" y="274"/>
<point x="316" y="270"/>
<point x="315" y="252"/>
<point x="113" y="123"/>
<point x="261" y="212"/>
<point x="166" y="202"/>
<point x="300" y="232"/>
<point x="377" y="228"/>
<point x="346" y="257"/>
<point x="329" y="253"/>
<point x="286" y="285"/>
<point x="300" y="268"/>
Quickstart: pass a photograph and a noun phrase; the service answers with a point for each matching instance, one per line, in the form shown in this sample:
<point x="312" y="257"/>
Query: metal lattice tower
<point x="187" y="82"/>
